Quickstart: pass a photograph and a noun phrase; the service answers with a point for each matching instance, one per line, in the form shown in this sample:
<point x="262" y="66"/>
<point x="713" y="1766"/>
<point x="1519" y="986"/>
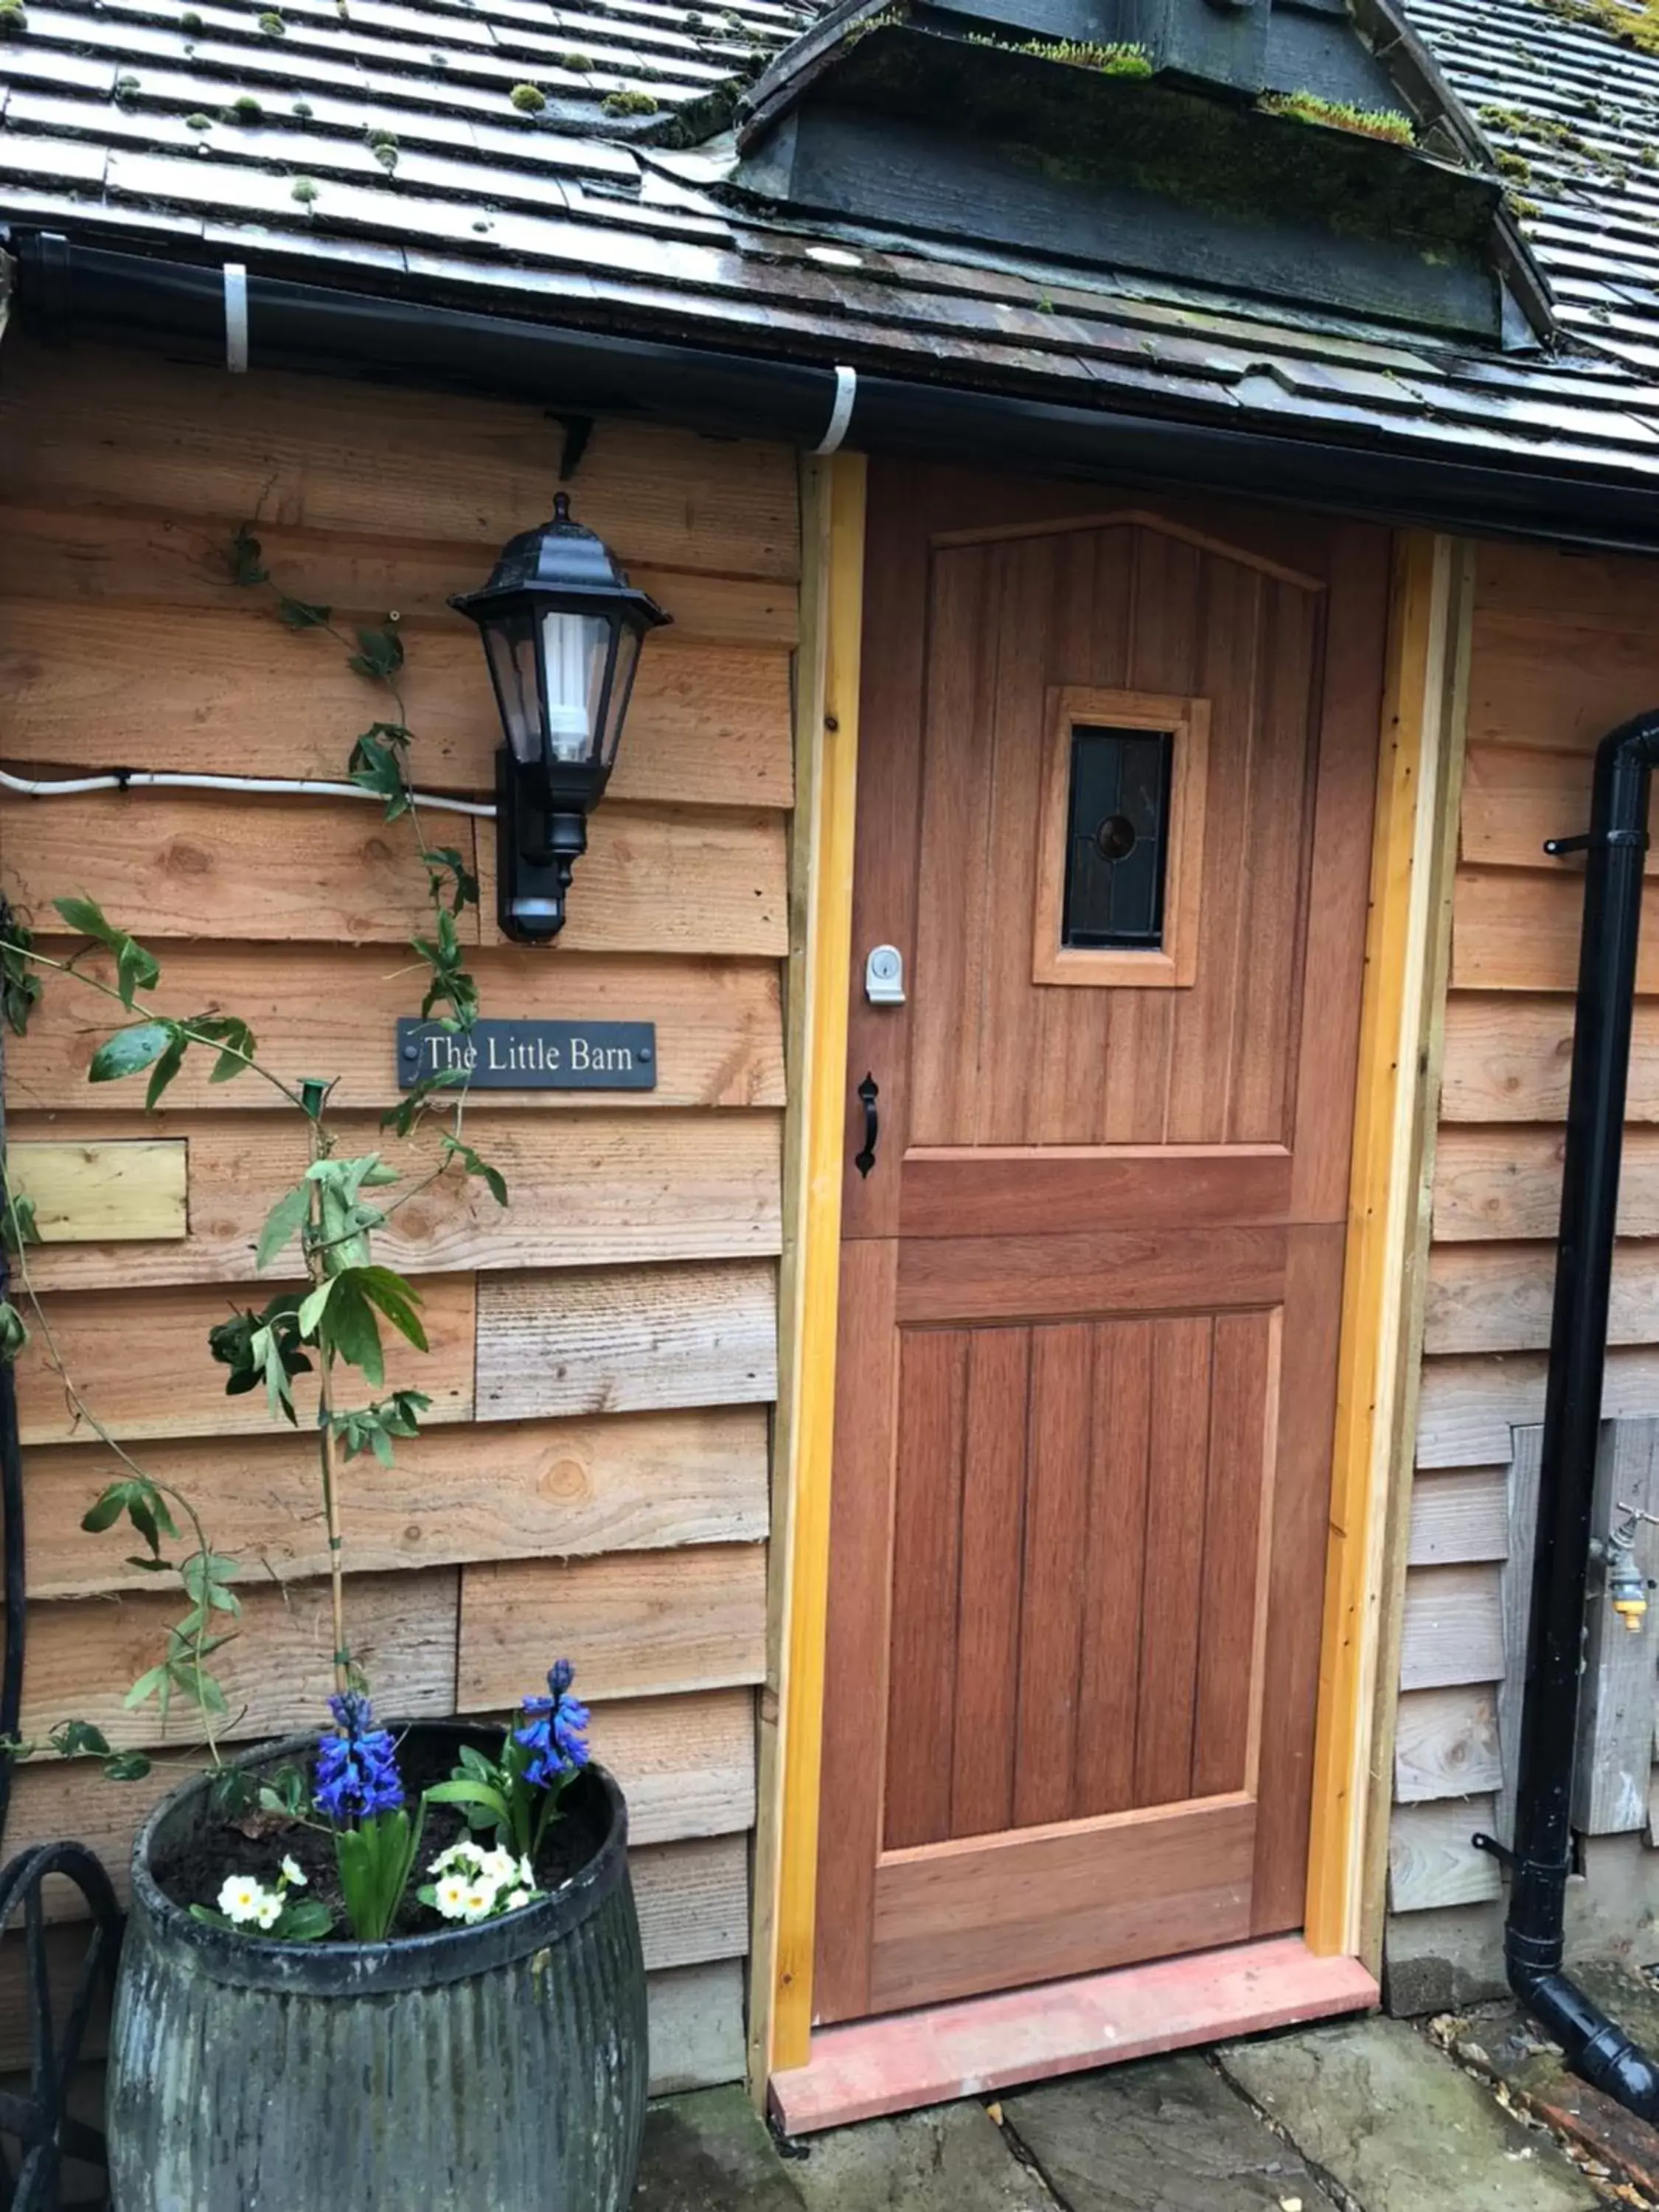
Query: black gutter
<point x="67" y="290"/>
<point x="1615" y="850"/>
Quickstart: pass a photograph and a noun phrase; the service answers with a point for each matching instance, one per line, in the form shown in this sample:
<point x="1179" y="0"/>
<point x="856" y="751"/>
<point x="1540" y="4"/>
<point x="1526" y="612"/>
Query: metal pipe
<point x="1534" y="1943"/>
<point x="67" y="290"/>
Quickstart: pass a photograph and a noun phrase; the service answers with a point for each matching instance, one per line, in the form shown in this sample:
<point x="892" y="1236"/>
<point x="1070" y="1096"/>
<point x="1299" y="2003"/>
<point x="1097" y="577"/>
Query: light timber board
<point x="517" y="1490"/>
<point x="1469" y="1405"/>
<point x="1509" y="1058"/>
<point x="643" y="1623"/>
<point x="101" y="1193"/>
<point x="1459" y="1516"/>
<point x="606" y="1186"/>
<point x="1431" y="1860"/>
<point x="1445" y="1744"/>
<point x="719" y="1035"/>
<point x="1496" y="1297"/>
<point x="621" y="1339"/>
<point x="1453" y="1629"/>
<point x="1518" y="929"/>
<point x="1506" y="1184"/>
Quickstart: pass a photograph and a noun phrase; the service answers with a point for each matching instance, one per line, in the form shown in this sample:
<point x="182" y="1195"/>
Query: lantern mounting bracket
<point x="578" y="430"/>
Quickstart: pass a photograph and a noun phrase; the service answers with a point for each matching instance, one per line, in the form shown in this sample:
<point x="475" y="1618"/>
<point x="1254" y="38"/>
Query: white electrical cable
<point x="161" y="779"/>
<point x="236" y="317"/>
<point x="841" y="415"/>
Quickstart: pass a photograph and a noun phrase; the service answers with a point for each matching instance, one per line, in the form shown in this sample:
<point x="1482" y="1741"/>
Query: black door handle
<point x="868" y="1093"/>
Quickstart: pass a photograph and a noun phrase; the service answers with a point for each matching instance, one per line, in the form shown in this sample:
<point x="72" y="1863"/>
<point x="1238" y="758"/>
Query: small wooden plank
<point x="1496" y="1298"/>
<point x="166" y="864"/>
<point x="135" y="1192"/>
<point x="112" y="430"/>
<point x="627" y="1339"/>
<point x="643" y="1624"/>
<point x="610" y="1187"/>
<point x="718" y="1023"/>
<point x="670" y="879"/>
<point x="152" y="559"/>
<point x="696" y="2027"/>
<point x="1516" y="796"/>
<point x="235" y="692"/>
<point x="1542" y="584"/>
<point x="1469" y="1405"/>
<point x="1431" y="1860"/>
<point x="1445" y="1744"/>
<point x="1514" y="1593"/>
<point x="1453" y="1629"/>
<point x="1459" y="1516"/>
<point x="1558" y="683"/>
<point x="1518" y="929"/>
<point x="981" y="2044"/>
<point x="1509" y="1058"/>
<point x="1506" y="1182"/>
<point x="1613" y="1753"/>
<point x="277" y="1673"/>
<point x="148" y="1372"/>
<point x="693" y="1899"/>
<point x="521" y="1490"/>
<point x="994" y="1191"/>
<point x="686" y="1766"/>
<point x="993" y="1279"/>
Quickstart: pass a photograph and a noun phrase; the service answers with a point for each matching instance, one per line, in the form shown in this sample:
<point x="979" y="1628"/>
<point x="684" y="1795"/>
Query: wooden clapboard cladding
<point x="1516" y="929"/>
<point x="1091" y="1282"/>
<point x="1509" y="1058"/>
<point x="130" y="431"/>
<point x="615" y="1327"/>
<point x="1496" y="1297"/>
<point x="147" y="1370"/>
<point x="707" y="724"/>
<point x="614" y="1339"/>
<point x="719" y="1039"/>
<point x="277" y="1673"/>
<point x="184" y="864"/>
<point x="610" y="1186"/>
<point x="511" y="1491"/>
<point x="1505" y="1183"/>
<point x="644" y="1625"/>
<point x="687" y="1765"/>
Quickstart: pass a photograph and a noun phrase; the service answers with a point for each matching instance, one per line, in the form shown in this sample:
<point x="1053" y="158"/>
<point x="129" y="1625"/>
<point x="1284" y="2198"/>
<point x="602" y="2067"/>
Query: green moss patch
<point x="1384" y="122"/>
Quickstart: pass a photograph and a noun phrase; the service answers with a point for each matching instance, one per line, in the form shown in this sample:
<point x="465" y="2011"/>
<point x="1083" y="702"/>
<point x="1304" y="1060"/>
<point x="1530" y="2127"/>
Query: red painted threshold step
<point x="905" y="2059"/>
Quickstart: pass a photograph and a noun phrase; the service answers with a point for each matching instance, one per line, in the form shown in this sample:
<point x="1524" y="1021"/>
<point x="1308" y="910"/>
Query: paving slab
<point x="1168" y="2134"/>
<point x="950" y="2157"/>
<point x="1400" y="2125"/>
<point x="712" y="2152"/>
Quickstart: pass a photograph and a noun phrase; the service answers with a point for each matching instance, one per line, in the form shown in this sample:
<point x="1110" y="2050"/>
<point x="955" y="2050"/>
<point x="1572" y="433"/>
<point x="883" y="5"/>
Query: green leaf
<point x="350" y="1331"/>
<point x="19" y="1225"/>
<point x="378" y="765"/>
<point x="395" y="1300"/>
<point x="484" y="1796"/>
<point x="246" y="561"/>
<point x="233" y="1036"/>
<point x="494" y="1180"/>
<point x="306" y="1921"/>
<point x="166" y="1068"/>
<point x="380" y="655"/>
<point x="20" y="985"/>
<point x="448" y="874"/>
<point x="283" y="1224"/>
<point x="153" y="1683"/>
<point x="76" y="1738"/>
<point x="105" y="1509"/>
<point x="317" y="1303"/>
<point x="130" y="1050"/>
<point x="14" y="1330"/>
<point x="126" y="1766"/>
<point x="301" y="614"/>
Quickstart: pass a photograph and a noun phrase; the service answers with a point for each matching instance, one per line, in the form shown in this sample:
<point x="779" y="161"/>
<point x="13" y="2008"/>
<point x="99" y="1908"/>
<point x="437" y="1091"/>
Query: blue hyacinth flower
<point x="356" y="1772"/>
<point x="555" y="1731"/>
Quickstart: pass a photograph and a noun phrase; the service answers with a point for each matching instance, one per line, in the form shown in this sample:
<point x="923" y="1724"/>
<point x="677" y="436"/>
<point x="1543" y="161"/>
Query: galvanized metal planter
<point x="497" y="2069"/>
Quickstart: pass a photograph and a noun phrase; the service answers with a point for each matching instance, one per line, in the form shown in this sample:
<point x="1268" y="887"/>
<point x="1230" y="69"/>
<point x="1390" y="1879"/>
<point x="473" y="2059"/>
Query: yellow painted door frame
<point x="1420" y="776"/>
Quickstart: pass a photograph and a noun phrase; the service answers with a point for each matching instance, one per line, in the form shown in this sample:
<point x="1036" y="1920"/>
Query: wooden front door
<point x="1117" y="760"/>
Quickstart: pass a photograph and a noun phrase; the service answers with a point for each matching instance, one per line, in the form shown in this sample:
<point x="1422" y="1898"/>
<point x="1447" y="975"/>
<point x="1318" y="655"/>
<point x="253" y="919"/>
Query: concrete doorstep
<point x="1366" y="2115"/>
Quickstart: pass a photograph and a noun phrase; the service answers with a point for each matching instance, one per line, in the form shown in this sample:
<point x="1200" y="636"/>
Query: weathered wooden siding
<point x="1564" y="648"/>
<point x="594" y="1474"/>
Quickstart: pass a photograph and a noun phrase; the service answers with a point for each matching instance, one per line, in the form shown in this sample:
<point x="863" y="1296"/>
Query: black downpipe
<point x="1615" y="851"/>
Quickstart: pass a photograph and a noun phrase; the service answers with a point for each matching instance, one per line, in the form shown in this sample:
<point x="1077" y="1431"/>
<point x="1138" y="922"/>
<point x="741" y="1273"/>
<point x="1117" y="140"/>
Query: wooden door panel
<point x="1091" y="1288"/>
<point x="1091" y="1271"/>
<point x="958" y="1920"/>
<point x="999" y="1190"/>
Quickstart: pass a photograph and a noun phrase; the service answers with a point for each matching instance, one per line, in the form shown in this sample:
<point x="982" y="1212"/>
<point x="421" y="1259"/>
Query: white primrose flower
<point x="240" y="1898"/>
<point x="271" y="1909"/>
<point x="450" y="1896"/>
<point x="498" y="1867"/>
<point x="526" y="1873"/>
<point x="519" y="1897"/>
<point x="445" y="1860"/>
<point x="292" y="1876"/>
<point x="480" y="1902"/>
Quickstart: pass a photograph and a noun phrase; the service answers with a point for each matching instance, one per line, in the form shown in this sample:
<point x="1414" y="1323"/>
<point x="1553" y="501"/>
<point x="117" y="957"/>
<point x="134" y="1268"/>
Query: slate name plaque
<point x="533" y="1055"/>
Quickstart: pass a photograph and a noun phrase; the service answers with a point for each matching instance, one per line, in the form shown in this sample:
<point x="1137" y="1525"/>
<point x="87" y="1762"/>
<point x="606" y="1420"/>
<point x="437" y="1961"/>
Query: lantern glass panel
<point x="575" y="653"/>
<point x="621" y="683"/>
<point x="510" y="642"/>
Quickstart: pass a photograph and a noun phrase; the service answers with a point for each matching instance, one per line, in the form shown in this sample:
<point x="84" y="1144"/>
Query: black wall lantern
<point x="561" y="630"/>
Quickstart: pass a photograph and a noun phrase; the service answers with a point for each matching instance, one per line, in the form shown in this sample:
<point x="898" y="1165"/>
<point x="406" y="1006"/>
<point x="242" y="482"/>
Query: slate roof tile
<point x="573" y="214"/>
